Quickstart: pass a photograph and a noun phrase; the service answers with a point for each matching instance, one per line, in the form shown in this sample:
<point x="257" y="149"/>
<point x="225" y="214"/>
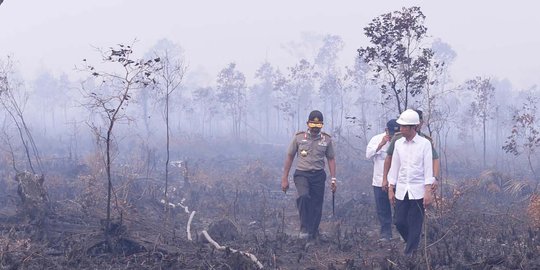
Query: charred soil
<point x="236" y="201"/>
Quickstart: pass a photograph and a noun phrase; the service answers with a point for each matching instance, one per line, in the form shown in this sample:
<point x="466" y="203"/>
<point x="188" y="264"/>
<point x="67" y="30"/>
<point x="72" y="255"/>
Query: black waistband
<point x="312" y="172"/>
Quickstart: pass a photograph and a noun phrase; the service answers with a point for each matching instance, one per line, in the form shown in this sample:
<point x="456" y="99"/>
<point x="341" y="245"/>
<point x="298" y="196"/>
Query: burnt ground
<point x="476" y="224"/>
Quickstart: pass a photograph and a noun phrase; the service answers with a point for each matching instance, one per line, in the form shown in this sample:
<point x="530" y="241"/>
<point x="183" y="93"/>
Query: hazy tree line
<point x="146" y="103"/>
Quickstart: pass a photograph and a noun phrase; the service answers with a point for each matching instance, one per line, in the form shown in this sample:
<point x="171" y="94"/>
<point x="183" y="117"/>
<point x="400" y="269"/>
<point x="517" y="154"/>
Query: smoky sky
<point x="490" y="38"/>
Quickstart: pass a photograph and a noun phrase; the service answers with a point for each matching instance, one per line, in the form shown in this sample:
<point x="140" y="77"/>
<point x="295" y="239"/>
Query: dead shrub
<point x="533" y="210"/>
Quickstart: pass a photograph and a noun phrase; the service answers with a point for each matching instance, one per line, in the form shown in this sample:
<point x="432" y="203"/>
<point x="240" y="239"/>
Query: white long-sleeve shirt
<point x="412" y="167"/>
<point x="377" y="157"/>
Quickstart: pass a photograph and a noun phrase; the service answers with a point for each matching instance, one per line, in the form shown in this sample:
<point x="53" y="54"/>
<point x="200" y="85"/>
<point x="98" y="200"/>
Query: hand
<point x="428" y="198"/>
<point x="391" y="196"/>
<point x="284" y="183"/>
<point x="384" y="185"/>
<point x="333" y="185"/>
<point x="386" y="139"/>
<point x="434" y="185"/>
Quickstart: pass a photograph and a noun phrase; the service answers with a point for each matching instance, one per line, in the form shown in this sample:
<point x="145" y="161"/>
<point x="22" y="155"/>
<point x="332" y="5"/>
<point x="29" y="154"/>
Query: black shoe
<point x="409" y="253"/>
<point x="314" y="235"/>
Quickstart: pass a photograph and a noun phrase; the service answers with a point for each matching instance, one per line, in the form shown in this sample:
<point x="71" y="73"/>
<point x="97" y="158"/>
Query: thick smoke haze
<point x="121" y="119"/>
<point x="284" y="59"/>
<point x="490" y="38"/>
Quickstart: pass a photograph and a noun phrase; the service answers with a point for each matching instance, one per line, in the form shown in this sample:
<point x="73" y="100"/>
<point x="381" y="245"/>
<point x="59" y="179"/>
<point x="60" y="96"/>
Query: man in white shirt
<point x="411" y="174"/>
<point x="376" y="150"/>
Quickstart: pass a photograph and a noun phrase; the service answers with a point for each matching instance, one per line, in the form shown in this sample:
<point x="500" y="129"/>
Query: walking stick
<point x="333" y="203"/>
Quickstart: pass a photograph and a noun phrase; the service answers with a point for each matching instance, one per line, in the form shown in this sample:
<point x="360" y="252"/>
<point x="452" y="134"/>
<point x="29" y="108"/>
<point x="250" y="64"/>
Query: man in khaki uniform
<point x="311" y="147"/>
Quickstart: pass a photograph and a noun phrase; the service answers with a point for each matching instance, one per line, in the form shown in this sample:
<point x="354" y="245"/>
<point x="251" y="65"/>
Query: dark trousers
<point x="409" y="219"/>
<point x="310" y="186"/>
<point x="384" y="212"/>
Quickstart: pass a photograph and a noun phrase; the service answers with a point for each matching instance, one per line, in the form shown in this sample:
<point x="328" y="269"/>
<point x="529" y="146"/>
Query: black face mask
<point x="315" y="130"/>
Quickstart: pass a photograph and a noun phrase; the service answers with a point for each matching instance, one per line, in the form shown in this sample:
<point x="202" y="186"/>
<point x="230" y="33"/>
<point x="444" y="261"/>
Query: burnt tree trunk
<point x="34" y="198"/>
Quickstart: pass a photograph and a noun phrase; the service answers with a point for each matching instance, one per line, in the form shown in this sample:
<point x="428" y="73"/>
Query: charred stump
<point x="224" y="230"/>
<point x="34" y="198"/>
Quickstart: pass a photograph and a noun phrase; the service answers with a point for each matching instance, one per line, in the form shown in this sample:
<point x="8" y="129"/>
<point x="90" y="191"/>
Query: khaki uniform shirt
<point x="311" y="150"/>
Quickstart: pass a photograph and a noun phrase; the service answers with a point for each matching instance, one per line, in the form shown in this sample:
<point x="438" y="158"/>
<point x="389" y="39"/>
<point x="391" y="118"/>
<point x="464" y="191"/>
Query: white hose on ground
<point x="219" y="247"/>
<point x="189" y="226"/>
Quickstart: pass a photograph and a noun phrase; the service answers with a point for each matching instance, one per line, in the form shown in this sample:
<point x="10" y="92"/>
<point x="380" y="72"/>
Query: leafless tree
<point x="355" y="86"/>
<point x="108" y="91"/>
<point x="293" y="93"/>
<point x="170" y="75"/>
<point x="232" y="91"/>
<point x="207" y="105"/>
<point x="262" y="96"/>
<point x="482" y="107"/>
<point x="331" y="84"/>
<point x="12" y="102"/>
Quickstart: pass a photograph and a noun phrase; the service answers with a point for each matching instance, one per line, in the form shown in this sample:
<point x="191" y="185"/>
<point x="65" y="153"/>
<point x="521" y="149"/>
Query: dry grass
<point x="533" y="210"/>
